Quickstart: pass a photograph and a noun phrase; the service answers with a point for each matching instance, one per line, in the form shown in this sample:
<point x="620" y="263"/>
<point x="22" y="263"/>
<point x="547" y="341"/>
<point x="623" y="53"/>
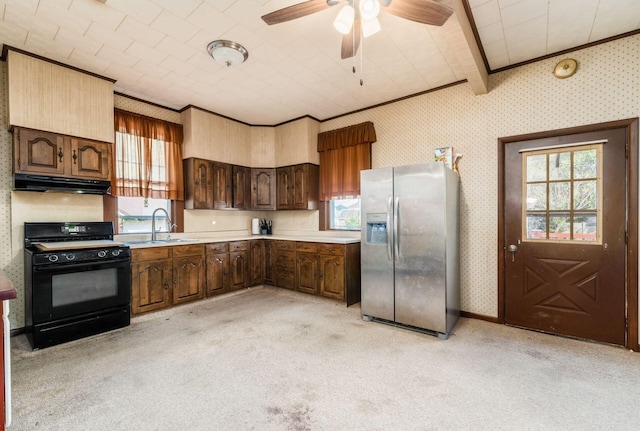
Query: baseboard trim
<point x="479" y="317"/>
<point x="17" y="331"/>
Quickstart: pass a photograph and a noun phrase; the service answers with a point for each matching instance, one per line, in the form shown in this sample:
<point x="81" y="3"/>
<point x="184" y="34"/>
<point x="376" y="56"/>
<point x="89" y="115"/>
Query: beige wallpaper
<point x="522" y="100"/>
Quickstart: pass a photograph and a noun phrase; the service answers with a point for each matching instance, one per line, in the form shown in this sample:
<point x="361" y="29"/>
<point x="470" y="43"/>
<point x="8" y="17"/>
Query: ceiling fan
<point x="359" y="17"/>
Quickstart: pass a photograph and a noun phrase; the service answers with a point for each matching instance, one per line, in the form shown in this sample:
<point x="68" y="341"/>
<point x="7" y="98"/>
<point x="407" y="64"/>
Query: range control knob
<point x="70" y="256"/>
<point x="53" y="258"/>
<point x="102" y="253"/>
<point x="115" y="252"/>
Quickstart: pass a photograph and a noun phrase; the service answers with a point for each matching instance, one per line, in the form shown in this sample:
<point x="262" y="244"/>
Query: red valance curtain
<point x="343" y="154"/>
<point x="148" y="157"/>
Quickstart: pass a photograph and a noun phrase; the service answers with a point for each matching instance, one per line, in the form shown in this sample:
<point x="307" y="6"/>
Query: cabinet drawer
<point x="285" y="245"/>
<point x="151" y="253"/>
<point x="217" y="247"/>
<point x="309" y="247"/>
<point x="287" y="258"/>
<point x="286" y="279"/>
<point x="187" y="250"/>
<point x="334" y="249"/>
<point x="239" y="246"/>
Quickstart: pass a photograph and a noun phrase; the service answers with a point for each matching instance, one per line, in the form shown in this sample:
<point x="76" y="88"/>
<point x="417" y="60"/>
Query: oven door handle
<point x="57" y="266"/>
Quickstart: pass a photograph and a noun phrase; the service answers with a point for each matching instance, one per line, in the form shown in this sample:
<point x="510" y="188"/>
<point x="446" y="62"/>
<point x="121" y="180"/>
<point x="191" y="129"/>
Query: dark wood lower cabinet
<point x="163" y="276"/>
<point x="269" y="262"/>
<point x="307" y="272"/>
<point x="256" y="262"/>
<point x="217" y="273"/>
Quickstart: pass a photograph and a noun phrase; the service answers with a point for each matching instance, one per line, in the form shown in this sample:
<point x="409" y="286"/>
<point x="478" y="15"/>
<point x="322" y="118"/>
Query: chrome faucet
<point x="153" y="223"/>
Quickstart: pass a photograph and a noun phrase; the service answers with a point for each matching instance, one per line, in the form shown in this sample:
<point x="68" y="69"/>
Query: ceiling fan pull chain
<point x="361" y="56"/>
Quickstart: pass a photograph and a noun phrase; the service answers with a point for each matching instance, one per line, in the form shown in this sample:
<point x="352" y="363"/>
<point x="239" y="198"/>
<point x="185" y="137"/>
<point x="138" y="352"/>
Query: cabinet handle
<point x="60" y="154"/>
<point x="75" y="157"/>
<point x="166" y="285"/>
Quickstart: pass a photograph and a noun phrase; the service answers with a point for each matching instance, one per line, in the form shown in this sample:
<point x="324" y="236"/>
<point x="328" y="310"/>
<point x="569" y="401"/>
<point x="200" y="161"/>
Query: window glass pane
<point x="537" y="168"/>
<point x="134" y="214"/>
<point x="585" y="227"/>
<point x="585" y="195"/>
<point x="585" y="164"/>
<point x="559" y="196"/>
<point x="560" y="166"/>
<point x="536" y="226"/>
<point x="559" y="226"/>
<point x="537" y="196"/>
<point x="345" y="214"/>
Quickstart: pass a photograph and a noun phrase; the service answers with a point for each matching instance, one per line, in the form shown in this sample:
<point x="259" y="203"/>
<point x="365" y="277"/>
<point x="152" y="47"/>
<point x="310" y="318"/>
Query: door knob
<point x="512" y="249"/>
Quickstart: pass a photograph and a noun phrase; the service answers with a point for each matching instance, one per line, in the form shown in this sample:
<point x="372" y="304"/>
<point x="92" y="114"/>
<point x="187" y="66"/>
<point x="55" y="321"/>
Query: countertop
<point x="238" y="237"/>
<point x="7" y="291"/>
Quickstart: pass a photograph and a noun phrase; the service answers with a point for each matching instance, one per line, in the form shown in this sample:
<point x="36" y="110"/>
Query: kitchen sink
<point x="161" y="241"/>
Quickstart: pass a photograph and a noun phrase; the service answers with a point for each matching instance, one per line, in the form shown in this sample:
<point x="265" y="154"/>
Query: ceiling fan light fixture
<point x="369" y="27"/>
<point x="228" y="53"/>
<point x="344" y="20"/>
<point x="369" y="9"/>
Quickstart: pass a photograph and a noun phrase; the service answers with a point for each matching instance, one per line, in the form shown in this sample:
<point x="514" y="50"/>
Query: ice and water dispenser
<point x="376" y="228"/>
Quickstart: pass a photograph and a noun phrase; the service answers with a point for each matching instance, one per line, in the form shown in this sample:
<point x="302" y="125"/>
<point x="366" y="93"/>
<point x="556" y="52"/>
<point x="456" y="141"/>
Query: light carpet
<point x="270" y="359"/>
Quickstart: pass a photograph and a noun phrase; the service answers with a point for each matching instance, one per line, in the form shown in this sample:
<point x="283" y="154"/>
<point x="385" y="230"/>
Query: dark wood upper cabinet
<point x="241" y="187"/>
<point x="222" y="188"/>
<point x="297" y="187"/>
<point x="46" y="153"/>
<point x="198" y="184"/>
<point x="263" y="188"/>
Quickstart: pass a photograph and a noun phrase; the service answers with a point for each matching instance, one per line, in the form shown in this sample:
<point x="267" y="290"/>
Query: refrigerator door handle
<point x="389" y="228"/>
<point x="396" y="237"/>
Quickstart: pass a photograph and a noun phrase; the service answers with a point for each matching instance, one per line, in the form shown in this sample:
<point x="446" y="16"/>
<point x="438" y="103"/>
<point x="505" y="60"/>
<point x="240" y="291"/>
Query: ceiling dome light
<point x="369" y="9"/>
<point x="228" y="53"/>
<point x="344" y="20"/>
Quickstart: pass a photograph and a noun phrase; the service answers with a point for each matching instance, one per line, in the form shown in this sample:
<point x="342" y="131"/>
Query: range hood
<point x="43" y="183"/>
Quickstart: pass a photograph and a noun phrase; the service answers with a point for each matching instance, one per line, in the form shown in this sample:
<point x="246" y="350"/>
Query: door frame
<point x="631" y="276"/>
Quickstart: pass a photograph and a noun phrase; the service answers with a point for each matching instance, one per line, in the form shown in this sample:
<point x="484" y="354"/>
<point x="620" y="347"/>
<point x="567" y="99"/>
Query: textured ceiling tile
<point x="114" y="39"/>
<point x="523" y="11"/>
<point x="70" y="38"/>
<point x="211" y="20"/>
<point x="175" y="27"/>
<point x="53" y="13"/>
<point x="486" y="14"/>
<point x="146" y="53"/>
<point x="134" y="29"/>
<point x="144" y="11"/>
<point x="97" y="11"/>
<point x="117" y="56"/>
<point x="18" y="17"/>
<point x="181" y="8"/>
<point x="180" y="51"/>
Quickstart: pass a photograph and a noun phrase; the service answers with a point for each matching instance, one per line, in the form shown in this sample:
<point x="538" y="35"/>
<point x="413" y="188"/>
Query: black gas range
<point x="77" y="281"/>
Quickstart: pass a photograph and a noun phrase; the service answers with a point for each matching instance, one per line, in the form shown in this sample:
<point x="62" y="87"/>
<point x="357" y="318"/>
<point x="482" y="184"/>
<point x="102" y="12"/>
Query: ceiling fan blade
<point x="424" y="12"/>
<point x="295" y="11"/>
<point x="351" y="40"/>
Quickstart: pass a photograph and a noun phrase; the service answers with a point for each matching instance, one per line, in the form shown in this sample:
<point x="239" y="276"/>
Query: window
<point x="148" y="171"/>
<point x="343" y="154"/>
<point x="345" y="213"/>
<point x="562" y="191"/>
<point x="134" y="214"/>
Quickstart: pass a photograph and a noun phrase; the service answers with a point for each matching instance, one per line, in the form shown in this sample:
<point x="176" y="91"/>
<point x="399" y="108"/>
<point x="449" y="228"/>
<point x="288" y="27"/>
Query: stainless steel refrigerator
<point x="410" y="253"/>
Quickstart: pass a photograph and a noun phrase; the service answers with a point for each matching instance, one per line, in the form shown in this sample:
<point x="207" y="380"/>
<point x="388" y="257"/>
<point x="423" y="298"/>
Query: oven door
<point x="67" y="290"/>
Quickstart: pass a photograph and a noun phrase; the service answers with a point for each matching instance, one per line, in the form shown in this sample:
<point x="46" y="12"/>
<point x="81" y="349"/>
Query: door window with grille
<point x="562" y="188"/>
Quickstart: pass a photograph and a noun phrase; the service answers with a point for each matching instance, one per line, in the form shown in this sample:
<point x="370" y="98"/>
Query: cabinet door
<point x="300" y="184"/>
<point x="217" y="273"/>
<point x="263" y="189"/>
<point x="307" y="272"/>
<point x="188" y="278"/>
<point x="150" y="283"/>
<point x="284" y="188"/>
<point x="241" y="187"/>
<point x="198" y="184"/>
<point x="269" y="262"/>
<point x="222" y="190"/>
<point x="90" y="159"/>
<point x="239" y="264"/>
<point x="256" y="260"/>
<point x="332" y="276"/>
<point x="38" y="152"/>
